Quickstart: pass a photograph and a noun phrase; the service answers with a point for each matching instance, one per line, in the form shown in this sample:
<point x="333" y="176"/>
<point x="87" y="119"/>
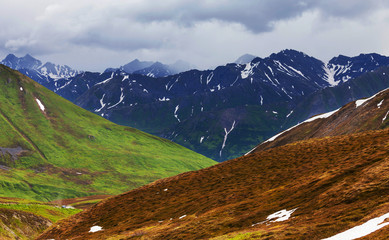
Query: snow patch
<point x="324" y="115"/>
<point x="41" y="106"/>
<point x="362" y="230"/>
<point x="164" y="99"/>
<point x="182" y="217"/>
<point x="106" y="80"/>
<point x="385" y="116"/>
<point x="280" y="216"/>
<point x="201" y="139"/>
<point x="209" y="78"/>
<point x="226" y="135"/>
<point x="95" y="229"/>
<point x="380" y="103"/>
<point x="330" y="75"/>
<point x="120" y="100"/>
<point x="175" y="113"/>
<point x="102" y="104"/>
<point x="21" y="88"/>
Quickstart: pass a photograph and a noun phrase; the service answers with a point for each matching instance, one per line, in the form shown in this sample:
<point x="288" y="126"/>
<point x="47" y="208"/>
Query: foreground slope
<point x="51" y="149"/>
<point x="309" y="189"/>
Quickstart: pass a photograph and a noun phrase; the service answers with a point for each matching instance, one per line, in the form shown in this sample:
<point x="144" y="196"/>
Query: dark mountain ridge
<point x="224" y="112"/>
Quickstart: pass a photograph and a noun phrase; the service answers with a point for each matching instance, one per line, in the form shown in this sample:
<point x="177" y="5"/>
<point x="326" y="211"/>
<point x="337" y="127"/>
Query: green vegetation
<point x="69" y="152"/>
<point x="26" y="219"/>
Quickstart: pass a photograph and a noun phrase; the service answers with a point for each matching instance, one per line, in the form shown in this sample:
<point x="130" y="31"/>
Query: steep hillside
<point x="51" y="149"/>
<point x="361" y="115"/>
<point x="311" y="189"/>
<point x="24" y="219"/>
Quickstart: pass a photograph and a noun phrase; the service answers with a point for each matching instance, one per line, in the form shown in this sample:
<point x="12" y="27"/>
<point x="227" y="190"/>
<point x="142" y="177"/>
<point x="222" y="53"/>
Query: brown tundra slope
<point x="325" y="186"/>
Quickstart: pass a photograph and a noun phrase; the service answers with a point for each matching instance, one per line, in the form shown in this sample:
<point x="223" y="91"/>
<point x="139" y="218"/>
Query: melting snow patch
<point x="182" y="216"/>
<point x="379" y="104"/>
<point x="226" y="135"/>
<point x="95" y="229"/>
<point x="324" y="115"/>
<point x="165" y="190"/>
<point x="175" y="113"/>
<point x="362" y="101"/>
<point x="41" y="106"/>
<point x="280" y="216"/>
<point x="362" y="230"/>
<point x="102" y="104"/>
<point x="385" y="116"/>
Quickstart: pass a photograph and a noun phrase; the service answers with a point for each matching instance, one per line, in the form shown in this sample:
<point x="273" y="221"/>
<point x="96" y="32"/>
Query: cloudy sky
<point x="95" y="34"/>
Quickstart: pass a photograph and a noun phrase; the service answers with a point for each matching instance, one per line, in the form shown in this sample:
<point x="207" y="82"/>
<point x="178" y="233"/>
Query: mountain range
<point x="224" y="112"/>
<point x="325" y="178"/>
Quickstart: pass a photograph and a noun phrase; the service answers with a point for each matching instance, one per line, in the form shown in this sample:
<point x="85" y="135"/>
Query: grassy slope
<point x="335" y="183"/>
<point x="72" y="152"/>
<point x="24" y="219"/>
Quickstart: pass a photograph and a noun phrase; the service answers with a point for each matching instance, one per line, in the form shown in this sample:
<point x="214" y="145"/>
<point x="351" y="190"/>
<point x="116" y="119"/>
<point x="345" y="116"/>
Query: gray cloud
<point x="208" y="32"/>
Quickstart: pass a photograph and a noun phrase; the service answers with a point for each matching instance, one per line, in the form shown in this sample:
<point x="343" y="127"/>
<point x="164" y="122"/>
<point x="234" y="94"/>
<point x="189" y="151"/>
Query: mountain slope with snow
<point x="194" y="108"/>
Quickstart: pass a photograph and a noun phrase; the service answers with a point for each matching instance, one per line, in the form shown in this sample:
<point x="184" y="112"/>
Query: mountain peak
<point x="245" y="58"/>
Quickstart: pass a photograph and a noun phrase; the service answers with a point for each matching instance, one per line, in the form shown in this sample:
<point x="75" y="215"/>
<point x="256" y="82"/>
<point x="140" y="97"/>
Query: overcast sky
<point x="96" y="34"/>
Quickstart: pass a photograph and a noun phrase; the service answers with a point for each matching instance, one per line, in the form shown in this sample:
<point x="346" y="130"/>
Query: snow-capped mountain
<point x="46" y="74"/>
<point x="215" y="111"/>
<point x="342" y="68"/>
<point x="223" y="112"/>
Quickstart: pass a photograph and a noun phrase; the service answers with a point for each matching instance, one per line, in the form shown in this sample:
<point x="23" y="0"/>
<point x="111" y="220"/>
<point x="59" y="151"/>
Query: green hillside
<point x="64" y="151"/>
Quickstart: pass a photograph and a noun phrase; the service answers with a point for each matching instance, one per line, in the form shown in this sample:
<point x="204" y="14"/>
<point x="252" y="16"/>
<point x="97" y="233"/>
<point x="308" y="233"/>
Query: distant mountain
<point x="246" y="58"/>
<point x="152" y="69"/>
<point x="224" y="112"/>
<point x="45" y="74"/>
<point x="315" y="188"/>
<point x="220" y="112"/>
<point x="51" y="148"/>
<point x="135" y="65"/>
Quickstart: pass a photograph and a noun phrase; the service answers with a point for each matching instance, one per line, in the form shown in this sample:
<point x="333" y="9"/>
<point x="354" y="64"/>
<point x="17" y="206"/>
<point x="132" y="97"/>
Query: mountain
<point x="135" y="65"/>
<point x="152" y="69"/>
<point x="331" y="98"/>
<point x="156" y="70"/>
<point x="51" y="149"/>
<point x="45" y="74"/>
<point x="244" y="59"/>
<point x="224" y="112"/>
<point x="315" y="188"/>
<point x="358" y="116"/>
